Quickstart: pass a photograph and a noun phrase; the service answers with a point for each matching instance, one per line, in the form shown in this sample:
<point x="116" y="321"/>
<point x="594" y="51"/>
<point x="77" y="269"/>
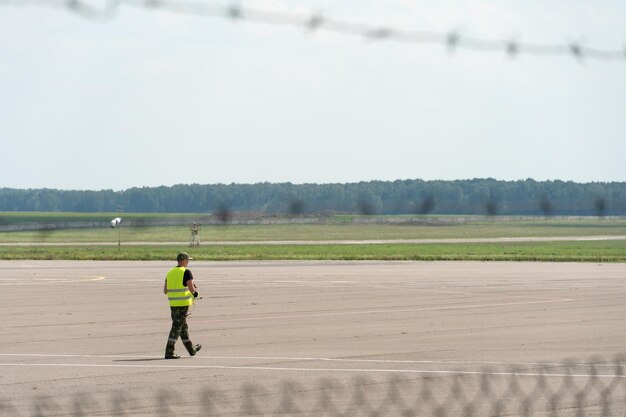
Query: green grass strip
<point x="582" y="251"/>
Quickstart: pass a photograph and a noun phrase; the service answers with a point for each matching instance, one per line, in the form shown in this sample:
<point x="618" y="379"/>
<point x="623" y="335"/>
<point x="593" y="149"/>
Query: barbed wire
<point x="452" y="40"/>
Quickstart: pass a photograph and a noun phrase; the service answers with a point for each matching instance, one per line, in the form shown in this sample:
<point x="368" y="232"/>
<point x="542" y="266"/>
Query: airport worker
<point x="180" y="291"/>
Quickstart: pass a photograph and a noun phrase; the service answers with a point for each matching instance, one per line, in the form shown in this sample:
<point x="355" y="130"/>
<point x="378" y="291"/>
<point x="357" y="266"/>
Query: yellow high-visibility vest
<point x="178" y="294"/>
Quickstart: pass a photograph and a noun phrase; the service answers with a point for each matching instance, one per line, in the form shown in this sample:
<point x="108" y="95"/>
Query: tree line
<point x="475" y="196"/>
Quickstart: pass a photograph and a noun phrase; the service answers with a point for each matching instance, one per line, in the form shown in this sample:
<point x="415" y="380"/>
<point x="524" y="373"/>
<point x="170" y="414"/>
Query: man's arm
<point x="165" y="287"/>
<point x="188" y="282"/>
<point x="191" y="286"/>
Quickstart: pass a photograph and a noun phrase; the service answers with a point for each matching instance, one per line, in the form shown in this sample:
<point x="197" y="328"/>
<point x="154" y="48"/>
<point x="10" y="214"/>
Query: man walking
<point x="180" y="291"/>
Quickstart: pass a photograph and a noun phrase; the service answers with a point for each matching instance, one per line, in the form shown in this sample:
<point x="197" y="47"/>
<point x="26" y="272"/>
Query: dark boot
<point x="173" y="356"/>
<point x="196" y="348"/>
<point x="169" y="350"/>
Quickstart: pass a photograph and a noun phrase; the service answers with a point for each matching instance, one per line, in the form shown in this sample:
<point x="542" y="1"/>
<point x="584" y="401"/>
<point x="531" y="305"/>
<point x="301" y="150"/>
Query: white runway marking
<point x="52" y="279"/>
<point x="286" y="369"/>
<point x="319" y="359"/>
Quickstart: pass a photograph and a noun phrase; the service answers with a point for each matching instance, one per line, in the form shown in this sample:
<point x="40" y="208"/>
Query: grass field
<point x="51" y="217"/>
<point x="493" y="228"/>
<point x="73" y="241"/>
<point x="583" y="251"/>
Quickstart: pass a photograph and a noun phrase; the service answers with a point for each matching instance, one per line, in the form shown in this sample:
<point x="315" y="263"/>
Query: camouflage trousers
<point x="179" y="329"/>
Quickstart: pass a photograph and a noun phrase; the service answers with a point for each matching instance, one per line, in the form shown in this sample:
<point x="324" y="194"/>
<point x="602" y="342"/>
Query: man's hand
<point x="195" y="294"/>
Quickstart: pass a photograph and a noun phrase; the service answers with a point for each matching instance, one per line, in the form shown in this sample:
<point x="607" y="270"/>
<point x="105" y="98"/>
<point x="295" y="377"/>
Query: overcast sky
<point x="155" y="98"/>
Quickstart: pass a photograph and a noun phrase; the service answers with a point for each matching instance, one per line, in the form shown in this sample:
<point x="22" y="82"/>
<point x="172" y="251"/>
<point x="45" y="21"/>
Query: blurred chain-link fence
<point x="595" y="388"/>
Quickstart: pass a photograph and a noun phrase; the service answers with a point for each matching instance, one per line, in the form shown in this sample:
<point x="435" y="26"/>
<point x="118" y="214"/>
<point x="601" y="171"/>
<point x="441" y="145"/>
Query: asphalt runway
<point x="88" y="338"/>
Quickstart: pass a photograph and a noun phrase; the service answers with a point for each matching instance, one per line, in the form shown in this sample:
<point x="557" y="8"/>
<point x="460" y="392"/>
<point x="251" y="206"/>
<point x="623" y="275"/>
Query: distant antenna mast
<point x="195" y="238"/>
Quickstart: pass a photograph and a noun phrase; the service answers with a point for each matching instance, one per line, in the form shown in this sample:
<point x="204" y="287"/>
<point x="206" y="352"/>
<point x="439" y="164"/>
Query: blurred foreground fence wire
<point x="452" y="39"/>
<point x="595" y="388"/>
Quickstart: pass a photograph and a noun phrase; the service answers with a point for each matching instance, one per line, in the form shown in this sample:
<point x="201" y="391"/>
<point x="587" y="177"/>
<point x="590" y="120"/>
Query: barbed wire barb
<point x="452" y="40"/>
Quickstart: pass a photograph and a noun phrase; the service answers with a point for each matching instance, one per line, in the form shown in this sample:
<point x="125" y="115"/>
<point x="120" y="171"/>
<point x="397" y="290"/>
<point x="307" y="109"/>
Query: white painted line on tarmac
<point x="53" y="279"/>
<point x="283" y="369"/>
<point x="321" y="359"/>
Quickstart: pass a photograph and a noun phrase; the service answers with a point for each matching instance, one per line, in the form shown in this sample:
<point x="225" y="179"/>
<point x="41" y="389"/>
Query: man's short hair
<point x="182" y="256"/>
